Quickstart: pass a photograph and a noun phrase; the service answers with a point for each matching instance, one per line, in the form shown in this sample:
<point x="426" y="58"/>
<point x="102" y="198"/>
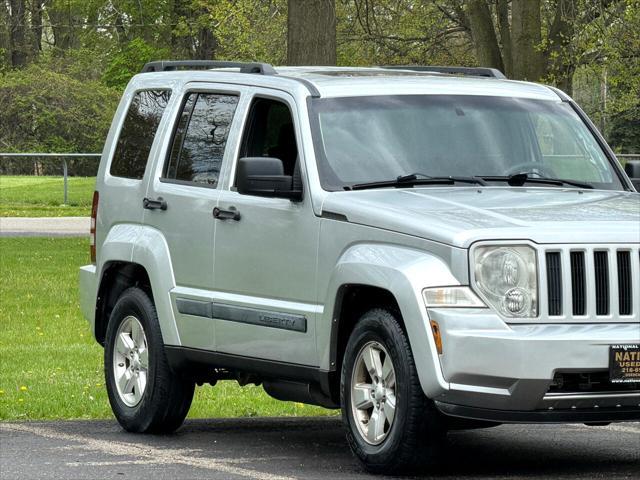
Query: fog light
<point x="515" y="300"/>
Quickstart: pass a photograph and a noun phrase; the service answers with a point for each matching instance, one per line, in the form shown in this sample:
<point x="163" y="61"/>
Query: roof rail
<point x="172" y="65"/>
<point x="470" y="71"/>
<point x="245" y="67"/>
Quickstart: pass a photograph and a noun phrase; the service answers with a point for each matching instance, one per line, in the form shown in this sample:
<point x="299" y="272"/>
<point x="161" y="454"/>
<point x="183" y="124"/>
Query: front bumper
<point x="584" y="415"/>
<point x="509" y="369"/>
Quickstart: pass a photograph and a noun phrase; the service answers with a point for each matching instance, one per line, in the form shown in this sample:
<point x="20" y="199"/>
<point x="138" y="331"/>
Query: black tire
<point x="167" y="397"/>
<point x="416" y="436"/>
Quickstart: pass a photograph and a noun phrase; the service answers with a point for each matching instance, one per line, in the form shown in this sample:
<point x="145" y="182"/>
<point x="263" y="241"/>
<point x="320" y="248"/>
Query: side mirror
<point x="632" y="168"/>
<point x="264" y="177"/>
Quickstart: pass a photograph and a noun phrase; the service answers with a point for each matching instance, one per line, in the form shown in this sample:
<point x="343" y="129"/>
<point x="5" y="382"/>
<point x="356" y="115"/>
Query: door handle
<point x="231" y="214"/>
<point x="158" y="204"/>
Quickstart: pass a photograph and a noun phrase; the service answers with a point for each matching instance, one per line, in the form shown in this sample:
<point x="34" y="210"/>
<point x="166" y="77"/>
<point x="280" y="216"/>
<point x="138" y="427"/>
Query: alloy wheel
<point x="131" y="361"/>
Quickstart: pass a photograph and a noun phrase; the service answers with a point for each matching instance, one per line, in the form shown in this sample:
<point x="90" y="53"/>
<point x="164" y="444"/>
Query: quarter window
<point x="200" y="138"/>
<point x="137" y="134"/>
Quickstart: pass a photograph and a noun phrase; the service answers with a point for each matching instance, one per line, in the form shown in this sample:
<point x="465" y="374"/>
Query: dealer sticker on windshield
<point x="624" y="363"/>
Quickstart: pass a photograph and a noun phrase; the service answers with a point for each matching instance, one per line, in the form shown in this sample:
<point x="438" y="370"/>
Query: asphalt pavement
<point x="44" y="226"/>
<point x="303" y="448"/>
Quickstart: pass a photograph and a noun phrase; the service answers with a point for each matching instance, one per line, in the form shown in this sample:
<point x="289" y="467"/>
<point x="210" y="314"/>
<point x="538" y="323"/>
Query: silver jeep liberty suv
<point x="425" y="248"/>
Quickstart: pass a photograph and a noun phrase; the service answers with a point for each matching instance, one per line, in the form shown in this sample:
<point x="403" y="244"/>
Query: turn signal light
<point x="435" y="328"/>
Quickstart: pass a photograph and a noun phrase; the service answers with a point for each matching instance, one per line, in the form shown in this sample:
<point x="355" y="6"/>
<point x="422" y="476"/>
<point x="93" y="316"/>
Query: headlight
<point x="507" y="277"/>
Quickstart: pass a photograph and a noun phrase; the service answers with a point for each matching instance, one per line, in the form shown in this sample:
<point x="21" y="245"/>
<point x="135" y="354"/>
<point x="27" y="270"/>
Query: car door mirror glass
<point x="264" y="176"/>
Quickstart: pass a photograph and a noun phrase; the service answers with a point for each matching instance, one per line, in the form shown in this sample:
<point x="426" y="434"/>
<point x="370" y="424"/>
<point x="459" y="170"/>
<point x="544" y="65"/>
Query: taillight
<point x="92" y="231"/>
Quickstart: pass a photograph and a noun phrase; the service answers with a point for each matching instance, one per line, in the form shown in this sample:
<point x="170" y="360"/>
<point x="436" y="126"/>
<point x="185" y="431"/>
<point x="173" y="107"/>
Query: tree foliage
<point x="589" y="48"/>
<point x="41" y="110"/>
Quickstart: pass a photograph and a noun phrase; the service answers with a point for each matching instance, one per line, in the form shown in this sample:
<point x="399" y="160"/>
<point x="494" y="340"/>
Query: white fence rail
<point x="62" y="156"/>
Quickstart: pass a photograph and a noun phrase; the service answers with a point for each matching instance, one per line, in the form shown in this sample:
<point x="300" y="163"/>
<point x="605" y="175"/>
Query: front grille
<point x="598" y="281"/>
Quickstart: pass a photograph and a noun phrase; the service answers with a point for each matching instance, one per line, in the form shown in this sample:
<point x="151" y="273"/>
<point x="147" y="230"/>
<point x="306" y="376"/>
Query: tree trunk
<point x="311" y="35"/>
<point x="36" y="23"/>
<point x="17" y="25"/>
<point x="182" y="45"/>
<point x="526" y="32"/>
<point x="63" y="25"/>
<point x="561" y="65"/>
<point x="206" y="48"/>
<point x="483" y="33"/>
<point x="505" y="36"/>
<point x="5" y="42"/>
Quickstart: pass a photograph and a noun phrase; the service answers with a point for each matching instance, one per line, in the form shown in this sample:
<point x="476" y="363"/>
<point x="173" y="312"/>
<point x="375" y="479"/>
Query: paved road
<point x="44" y="226"/>
<point x="303" y="448"/>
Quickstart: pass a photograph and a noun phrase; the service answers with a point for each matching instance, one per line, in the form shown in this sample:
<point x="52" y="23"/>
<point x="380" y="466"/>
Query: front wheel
<point x="145" y="394"/>
<point x="392" y="427"/>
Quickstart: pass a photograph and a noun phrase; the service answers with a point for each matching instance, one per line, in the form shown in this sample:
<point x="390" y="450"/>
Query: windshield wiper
<point x="413" y="179"/>
<point x="520" y="179"/>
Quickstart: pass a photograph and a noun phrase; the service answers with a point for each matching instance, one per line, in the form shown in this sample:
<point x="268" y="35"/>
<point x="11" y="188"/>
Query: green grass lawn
<point x="50" y="366"/>
<point x="31" y="196"/>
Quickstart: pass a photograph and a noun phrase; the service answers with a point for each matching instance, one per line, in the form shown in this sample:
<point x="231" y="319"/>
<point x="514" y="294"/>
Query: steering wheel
<point x="526" y="167"/>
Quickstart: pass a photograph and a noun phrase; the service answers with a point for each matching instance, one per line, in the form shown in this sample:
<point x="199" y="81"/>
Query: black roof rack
<point x="172" y="65"/>
<point x="245" y="67"/>
<point x="470" y="71"/>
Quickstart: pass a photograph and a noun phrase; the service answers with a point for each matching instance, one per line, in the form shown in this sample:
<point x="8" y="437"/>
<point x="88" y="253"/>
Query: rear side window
<point x="200" y="138"/>
<point x="138" y="132"/>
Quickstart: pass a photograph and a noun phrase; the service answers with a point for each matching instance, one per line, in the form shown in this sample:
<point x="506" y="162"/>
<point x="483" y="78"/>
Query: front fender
<point x="404" y="272"/>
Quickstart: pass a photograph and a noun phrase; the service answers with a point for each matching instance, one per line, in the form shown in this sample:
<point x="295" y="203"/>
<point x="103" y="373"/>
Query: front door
<point x="265" y="258"/>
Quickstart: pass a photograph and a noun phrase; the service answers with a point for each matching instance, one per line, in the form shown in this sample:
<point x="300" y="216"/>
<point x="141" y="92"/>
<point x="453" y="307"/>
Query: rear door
<point x="181" y="197"/>
<point x="132" y="142"/>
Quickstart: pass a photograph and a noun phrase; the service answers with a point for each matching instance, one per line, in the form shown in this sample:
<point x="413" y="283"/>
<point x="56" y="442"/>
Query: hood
<point x="459" y="216"/>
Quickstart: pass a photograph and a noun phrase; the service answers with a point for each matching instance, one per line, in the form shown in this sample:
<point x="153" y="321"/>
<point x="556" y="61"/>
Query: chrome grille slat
<point x="595" y="282"/>
<point x="567" y="302"/>
<point x="590" y="283"/>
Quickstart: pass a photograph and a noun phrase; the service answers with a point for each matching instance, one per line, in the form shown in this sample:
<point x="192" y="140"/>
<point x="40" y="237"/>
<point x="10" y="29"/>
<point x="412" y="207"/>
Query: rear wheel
<point x="392" y="427"/>
<point x="145" y="395"/>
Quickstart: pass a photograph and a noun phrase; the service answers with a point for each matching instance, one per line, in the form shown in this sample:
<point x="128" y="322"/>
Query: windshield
<point x="379" y="138"/>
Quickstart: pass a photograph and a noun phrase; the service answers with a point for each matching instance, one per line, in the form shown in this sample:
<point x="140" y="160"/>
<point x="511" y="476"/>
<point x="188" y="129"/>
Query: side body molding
<point x="147" y="247"/>
<point x="404" y="272"/>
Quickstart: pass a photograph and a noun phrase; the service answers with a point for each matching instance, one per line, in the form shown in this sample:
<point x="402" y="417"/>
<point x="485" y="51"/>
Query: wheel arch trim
<point x="146" y="247"/>
<point x="404" y="273"/>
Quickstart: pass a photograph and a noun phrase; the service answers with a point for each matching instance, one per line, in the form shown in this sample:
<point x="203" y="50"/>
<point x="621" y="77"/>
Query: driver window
<point x="270" y="133"/>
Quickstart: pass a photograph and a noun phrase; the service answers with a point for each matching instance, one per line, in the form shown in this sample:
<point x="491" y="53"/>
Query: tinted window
<point x="270" y="133"/>
<point x="200" y="138"/>
<point x="138" y="132"/>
